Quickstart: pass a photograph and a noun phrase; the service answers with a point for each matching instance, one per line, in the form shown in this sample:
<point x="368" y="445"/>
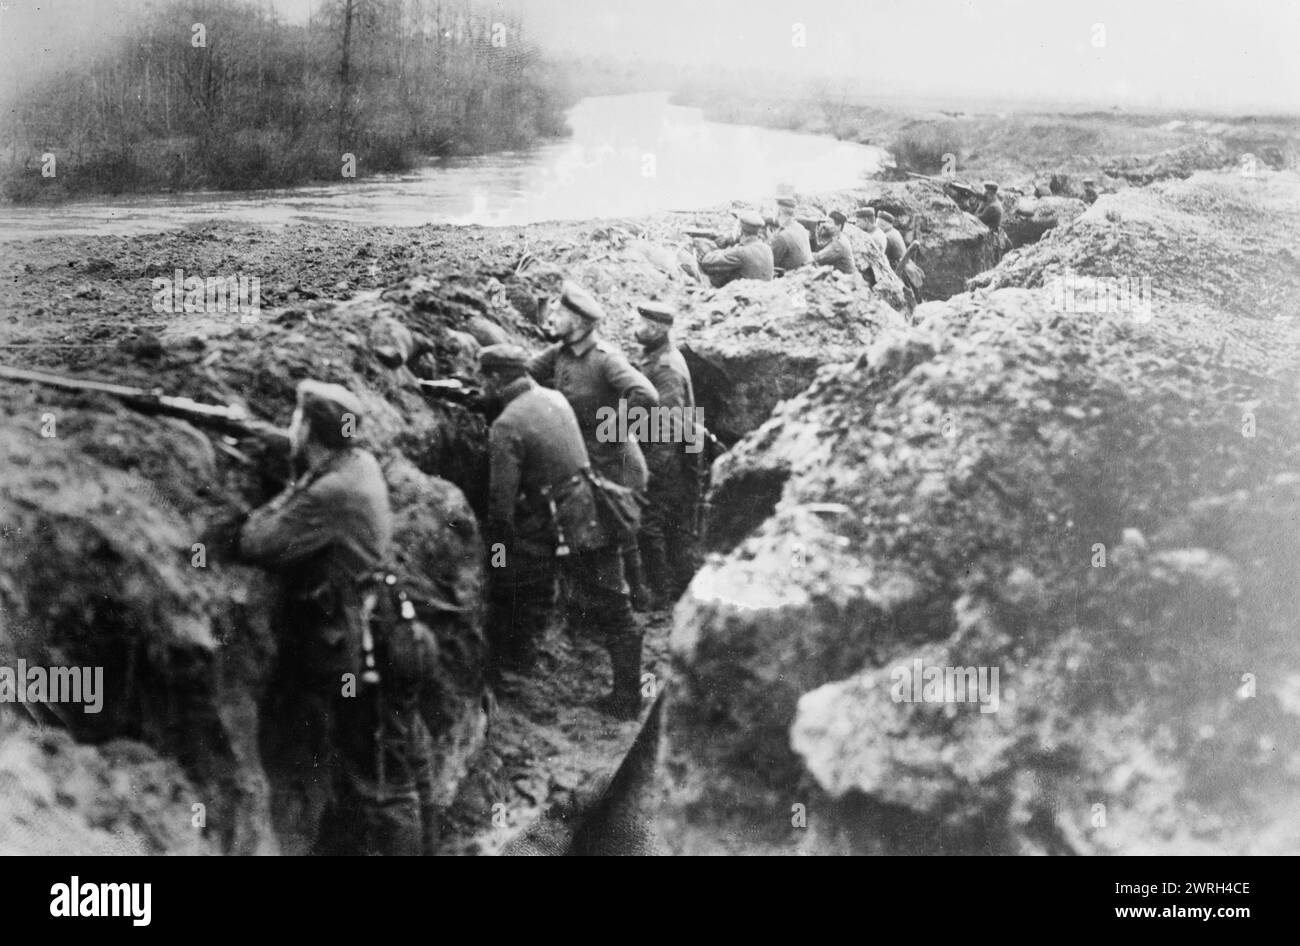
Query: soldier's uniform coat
<point x="749" y="259"/>
<point x="594" y="374"/>
<point x="791" y="247"/>
<point x="667" y="532"/>
<point x="325" y="535"/>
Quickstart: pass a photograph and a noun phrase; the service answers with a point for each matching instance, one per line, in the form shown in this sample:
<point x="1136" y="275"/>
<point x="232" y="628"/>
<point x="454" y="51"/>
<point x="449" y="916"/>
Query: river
<point x="628" y="155"/>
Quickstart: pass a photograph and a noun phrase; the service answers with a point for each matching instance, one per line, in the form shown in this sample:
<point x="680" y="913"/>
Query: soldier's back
<point x="757" y="261"/>
<point x="545" y="424"/>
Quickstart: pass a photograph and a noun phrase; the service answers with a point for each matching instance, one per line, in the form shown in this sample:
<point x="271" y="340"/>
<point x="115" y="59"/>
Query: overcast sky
<point x="1209" y="54"/>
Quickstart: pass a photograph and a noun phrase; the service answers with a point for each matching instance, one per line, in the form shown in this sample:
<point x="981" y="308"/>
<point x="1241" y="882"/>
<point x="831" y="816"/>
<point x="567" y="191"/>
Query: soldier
<point x="990" y="212"/>
<point x="990" y="215"/>
<point x="667" y="535"/>
<point x="894" y="245"/>
<point x="1090" y="194"/>
<point x="596" y="378"/>
<point x="835" y="250"/>
<point x="541" y="509"/>
<point x="751" y="258"/>
<point x="790" y="246"/>
<point x="867" y="224"/>
<point x="326" y="535"/>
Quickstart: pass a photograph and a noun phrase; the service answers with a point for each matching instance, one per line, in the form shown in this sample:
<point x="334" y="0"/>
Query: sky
<point x="1231" y="55"/>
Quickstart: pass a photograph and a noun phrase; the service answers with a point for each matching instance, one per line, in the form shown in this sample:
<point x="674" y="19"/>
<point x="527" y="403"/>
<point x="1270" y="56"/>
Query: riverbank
<point x="246" y="101"/>
<point x="1019" y="145"/>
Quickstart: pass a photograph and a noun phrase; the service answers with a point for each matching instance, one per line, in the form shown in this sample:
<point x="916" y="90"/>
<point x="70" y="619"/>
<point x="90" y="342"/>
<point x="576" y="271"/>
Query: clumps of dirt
<point x="1098" y="509"/>
<point x="954" y="244"/>
<point x="1220" y="242"/>
<point x="1205" y="154"/>
<point x="762" y="342"/>
<point x="116" y="529"/>
<point x="121" y="798"/>
<point x="1028" y="218"/>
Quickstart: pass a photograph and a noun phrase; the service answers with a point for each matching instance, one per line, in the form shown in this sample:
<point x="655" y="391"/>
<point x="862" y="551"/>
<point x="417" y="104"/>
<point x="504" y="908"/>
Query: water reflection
<point x="629" y="155"/>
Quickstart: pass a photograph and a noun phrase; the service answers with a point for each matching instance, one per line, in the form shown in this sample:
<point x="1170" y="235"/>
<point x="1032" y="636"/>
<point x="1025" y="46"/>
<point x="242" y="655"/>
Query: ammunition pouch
<point x="575" y="521"/>
<point x="617" y="507"/>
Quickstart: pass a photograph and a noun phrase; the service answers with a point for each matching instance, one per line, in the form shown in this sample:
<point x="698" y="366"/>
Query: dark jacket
<point x="837" y="254"/>
<point x="749" y="259"/>
<point x="790" y="247"/>
<point x="667" y="370"/>
<point x="538" y="450"/>
<point x="325" y="533"/>
<point x="991" y="214"/>
<point x="894" y="247"/>
<point x="593" y="374"/>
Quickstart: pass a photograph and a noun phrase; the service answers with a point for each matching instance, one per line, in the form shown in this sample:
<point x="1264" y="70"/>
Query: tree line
<point x="224" y="94"/>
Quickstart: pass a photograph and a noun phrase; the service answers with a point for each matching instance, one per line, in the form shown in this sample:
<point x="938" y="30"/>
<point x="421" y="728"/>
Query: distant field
<point x="1001" y="141"/>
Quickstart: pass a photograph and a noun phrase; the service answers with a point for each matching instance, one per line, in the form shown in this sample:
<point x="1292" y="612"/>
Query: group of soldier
<point x="365" y="696"/>
<point x="765" y="248"/>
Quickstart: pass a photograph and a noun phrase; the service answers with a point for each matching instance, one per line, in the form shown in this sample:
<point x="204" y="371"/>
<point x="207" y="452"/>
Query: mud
<point x="947" y="497"/>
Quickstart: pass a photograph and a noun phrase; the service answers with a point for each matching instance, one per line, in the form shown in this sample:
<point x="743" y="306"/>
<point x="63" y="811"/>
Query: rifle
<point x="231" y="419"/>
<point x="456" y="391"/>
<point x="945" y="181"/>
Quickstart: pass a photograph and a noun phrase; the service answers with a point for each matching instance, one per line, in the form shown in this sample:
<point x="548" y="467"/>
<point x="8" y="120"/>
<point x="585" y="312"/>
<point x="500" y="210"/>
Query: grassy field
<point x="1002" y="140"/>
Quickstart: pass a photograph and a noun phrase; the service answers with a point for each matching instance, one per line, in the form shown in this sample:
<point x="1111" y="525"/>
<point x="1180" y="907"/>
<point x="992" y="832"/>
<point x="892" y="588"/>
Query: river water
<point x="628" y="155"/>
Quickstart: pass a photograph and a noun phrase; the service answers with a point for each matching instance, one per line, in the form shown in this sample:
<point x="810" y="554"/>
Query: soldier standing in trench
<point x="326" y="535"/>
<point x="593" y="374"/>
<point x="990" y="214"/>
<point x="542" y="511"/>
<point x="667" y="534"/>
<point x="790" y="245"/>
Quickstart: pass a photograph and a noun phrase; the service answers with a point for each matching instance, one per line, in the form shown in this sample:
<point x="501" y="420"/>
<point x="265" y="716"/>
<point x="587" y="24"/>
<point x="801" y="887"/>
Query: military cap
<point x="656" y="312"/>
<point x="751" y="220"/>
<point x="865" y="211"/>
<point x="786" y="202"/>
<point x="1089" y="180"/>
<point x="839" y="218"/>
<point x="576" y="299"/>
<point x="990" y="185"/>
<point x="496" y="357"/>
<point x="329" y="409"/>
<point x="885" y="215"/>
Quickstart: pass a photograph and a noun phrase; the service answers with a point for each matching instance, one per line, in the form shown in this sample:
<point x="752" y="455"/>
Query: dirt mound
<point x="755" y="344"/>
<point x="954" y="244"/>
<point x="1099" y="510"/>
<point x="113" y="548"/>
<point x="1205" y="154"/>
<point x="62" y="798"/>
<point x="1028" y="218"/>
<point x="1221" y="241"/>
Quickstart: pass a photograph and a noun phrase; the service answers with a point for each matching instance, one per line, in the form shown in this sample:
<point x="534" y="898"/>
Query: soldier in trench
<point x="595" y="377"/>
<point x="667" y="533"/>
<point x="328" y="535"/>
<point x="749" y="258"/>
<point x="542" y="513"/>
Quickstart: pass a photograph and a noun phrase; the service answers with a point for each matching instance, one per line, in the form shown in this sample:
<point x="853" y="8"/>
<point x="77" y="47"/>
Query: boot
<point x="635" y="575"/>
<point x="624" y="700"/>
